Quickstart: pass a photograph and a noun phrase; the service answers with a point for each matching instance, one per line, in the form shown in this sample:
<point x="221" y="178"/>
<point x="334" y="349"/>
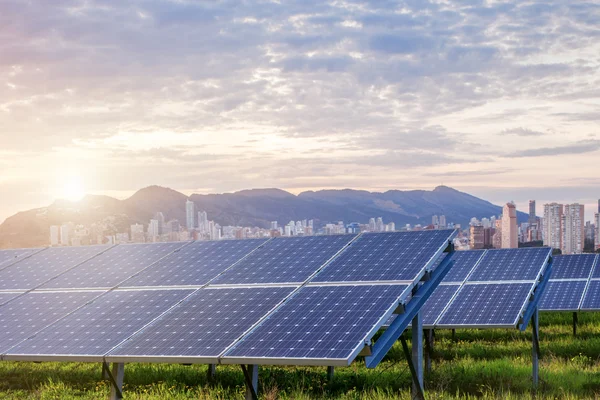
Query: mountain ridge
<point x="252" y="207"/>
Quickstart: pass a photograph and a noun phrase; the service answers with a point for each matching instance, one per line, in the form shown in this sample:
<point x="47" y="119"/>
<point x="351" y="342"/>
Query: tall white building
<point x="572" y="229"/>
<point x="443" y="222"/>
<point x="510" y="231"/>
<point x="203" y="221"/>
<point x="190" y="215"/>
<point x="65" y="234"/>
<point x="597" y="223"/>
<point x="137" y="233"/>
<point x="153" y="229"/>
<point x="54" y="235"/>
<point x="435" y="221"/>
<point x="379" y="225"/>
<point x="553" y="213"/>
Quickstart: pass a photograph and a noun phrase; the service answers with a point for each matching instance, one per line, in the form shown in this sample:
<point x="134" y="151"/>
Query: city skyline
<point x="206" y="97"/>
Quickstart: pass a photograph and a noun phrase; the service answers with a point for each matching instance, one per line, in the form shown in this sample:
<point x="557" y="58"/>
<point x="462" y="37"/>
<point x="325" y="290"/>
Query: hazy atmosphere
<point x="498" y="99"/>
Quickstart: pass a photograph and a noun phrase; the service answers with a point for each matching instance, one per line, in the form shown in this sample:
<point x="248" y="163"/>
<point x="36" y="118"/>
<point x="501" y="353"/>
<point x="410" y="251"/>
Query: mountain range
<point x="256" y="207"/>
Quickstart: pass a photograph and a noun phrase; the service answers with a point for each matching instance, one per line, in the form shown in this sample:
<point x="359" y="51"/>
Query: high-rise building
<point x="160" y="217"/>
<point x="510" y="231"/>
<point x="597" y="223"/>
<point x="532" y="216"/>
<point x="379" y="225"/>
<point x="54" y="235"/>
<point x="65" y="234"/>
<point x="476" y="237"/>
<point x="203" y="221"/>
<point x="372" y="225"/>
<point x="572" y="229"/>
<point x="190" y="215"/>
<point x="435" y="221"/>
<point x="497" y="237"/>
<point x="553" y="213"/>
<point x="153" y="230"/>
<point x="137" y="233"/>
<point x="443" y="224"/>
<point x="273" y="225"/>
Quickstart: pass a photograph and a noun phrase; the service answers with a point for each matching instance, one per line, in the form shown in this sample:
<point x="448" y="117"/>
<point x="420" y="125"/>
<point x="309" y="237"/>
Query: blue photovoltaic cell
<point x="31" y="272"/>
<point x="596" y="273"/>
<point x="5" y="297"/>
<point x="574" y="266"/>
<point x="195" y="264"/>
<point x="434" y="306"/>
<point x="591" y="301"/>
<point x="392" y="256"/>
<point x="205" y="324"/>
<point x="511" y="264"/>
<point x="562" y="295"/>
<point x="464" y="261"/>
<point x="320" y="322"/>
<point x="28" y="314"/>
<point x="112" y="267"/>
<point x="494" y="304"/>
<point x="10" y="256"/>
<point x="95" y="329"/>
<point x="291" y="260"/>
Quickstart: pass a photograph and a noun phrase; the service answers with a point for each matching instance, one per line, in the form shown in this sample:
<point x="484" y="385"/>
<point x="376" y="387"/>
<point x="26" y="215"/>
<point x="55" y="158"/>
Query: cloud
<point x="583" y="147"/>
<point x="521" y="132"/>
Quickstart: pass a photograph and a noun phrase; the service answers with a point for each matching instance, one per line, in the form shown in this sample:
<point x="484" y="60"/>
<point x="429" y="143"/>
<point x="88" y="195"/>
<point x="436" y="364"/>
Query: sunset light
<point x="73" y="189"/>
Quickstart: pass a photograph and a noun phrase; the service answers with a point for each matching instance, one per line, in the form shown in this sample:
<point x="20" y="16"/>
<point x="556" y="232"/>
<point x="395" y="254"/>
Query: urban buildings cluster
<point x="199" y="227"/>
<point x="561" y="227"/>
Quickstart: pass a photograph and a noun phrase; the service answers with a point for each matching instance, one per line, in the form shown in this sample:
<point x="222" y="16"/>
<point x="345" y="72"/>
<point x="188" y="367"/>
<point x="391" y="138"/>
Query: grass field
<point x="478" y="364"/>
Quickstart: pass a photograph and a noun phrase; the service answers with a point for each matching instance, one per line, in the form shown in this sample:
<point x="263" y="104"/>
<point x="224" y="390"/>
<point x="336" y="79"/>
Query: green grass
<point x="487" y="364"/>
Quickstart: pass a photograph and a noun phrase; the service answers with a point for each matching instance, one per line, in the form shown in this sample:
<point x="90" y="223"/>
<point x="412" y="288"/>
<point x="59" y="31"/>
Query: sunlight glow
<point x="73" y="189"/>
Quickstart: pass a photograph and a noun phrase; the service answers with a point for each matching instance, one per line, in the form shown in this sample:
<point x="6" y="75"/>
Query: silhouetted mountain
<point x="255" y="207"/>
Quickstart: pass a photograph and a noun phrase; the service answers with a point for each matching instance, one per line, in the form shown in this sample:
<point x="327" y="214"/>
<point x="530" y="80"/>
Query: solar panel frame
<point x="563" y="268"/>
<point x="556" y="292"/>
<point x="456" y="257"/>
<point x="318" y="361"/>
<point x="473" y="277"/>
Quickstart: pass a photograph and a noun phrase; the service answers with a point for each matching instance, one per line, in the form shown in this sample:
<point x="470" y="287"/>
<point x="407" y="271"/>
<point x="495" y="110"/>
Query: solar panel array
<point x="263" y="301"/>
<point x="486" y="288"/>
<point x="574" y="284"/>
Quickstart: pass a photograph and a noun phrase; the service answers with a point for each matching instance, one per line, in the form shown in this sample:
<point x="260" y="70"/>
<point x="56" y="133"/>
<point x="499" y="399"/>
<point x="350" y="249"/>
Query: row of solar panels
<point x="575" y="284"/>
<point x="486" y="289"/>
<point x="313" y="300"/>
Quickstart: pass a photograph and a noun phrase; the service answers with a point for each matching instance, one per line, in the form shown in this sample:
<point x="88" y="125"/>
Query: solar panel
<point x="596" y="273"/>
<point x="204" y="325"/>
<point x="114" y="266"/>
<point x="31" y="272"/>
<point x="285" y="260"/>
<point x="5" y="297"/>
<point x="28" y="314"/>
<point x="318" y="323"/>
<point x="95" y="329"/>
<point x="12" y="255"/>
<point x="575" y="266"/>
<point x="591" y="300"/>
<point x="464" y="261"/>
<point x="390" y="256"/>
<point x="195" y="264"/>
<point x="562" y="295"/>
<point x="511" y="264"/>
<point x="487" y="305"/>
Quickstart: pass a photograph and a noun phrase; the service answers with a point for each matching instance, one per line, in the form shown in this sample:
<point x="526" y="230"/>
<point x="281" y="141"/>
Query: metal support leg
<point x="104" y="373"/>
<point x="575" y="321"/>
<point x="330" y="371"/>
<point x="251" y="377"/>
<point x="212" y="371"/>
<point x="453" y="335"/>
<point x="429" y="348"/>
<point x="116" y="378"/>
<point x="536" y="348"/>
<point x="417" y="353"/>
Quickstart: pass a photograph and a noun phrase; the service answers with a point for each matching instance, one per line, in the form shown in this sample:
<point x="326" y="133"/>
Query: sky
<point x="500" y="99"/>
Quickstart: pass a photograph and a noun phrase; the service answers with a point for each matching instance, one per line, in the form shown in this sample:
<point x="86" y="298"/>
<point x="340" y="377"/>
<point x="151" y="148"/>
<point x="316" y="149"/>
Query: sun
<point x="73" y="189"/>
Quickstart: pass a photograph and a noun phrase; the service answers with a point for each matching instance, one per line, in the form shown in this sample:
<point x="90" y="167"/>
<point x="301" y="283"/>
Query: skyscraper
<point x="443" y="222"/>
<point x="597" y="223"/>
<point x="203" y="221"/>
<point x="435" y="221"/>
<point x="532" y="217"/>
<point x="54" y="235"/>
<point x="510" y="230"/>
<point x="553" y="213"/>
<point x="190" y="215"/>
<point x="160" y="217"/>
<point x="572" y="229"/>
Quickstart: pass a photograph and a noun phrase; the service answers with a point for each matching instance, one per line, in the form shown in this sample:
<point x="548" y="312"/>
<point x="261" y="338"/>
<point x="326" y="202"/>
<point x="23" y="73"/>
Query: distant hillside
<point x="255" y="207"/>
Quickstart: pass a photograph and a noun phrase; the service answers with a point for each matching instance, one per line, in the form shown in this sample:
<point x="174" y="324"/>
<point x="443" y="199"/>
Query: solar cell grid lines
<point x="5" y="297"/>
<point x="33" y="271"/>
<point x="464" y="261"/>
<point x="195" y="264"/>
<point x="27" y="314"/>
<point x="591" y="300"/>
<point x="319" y="322"/>
<point x="10" y="256"/>
<point x="596" y="272"/>
<point x="562" y="295"/>
<point x="204" y="325"/>
<point x="392" y="256"/>
<point x="96" y="328"/>
<point x="511" y="265"/>
<point x="492" y="305"/>
<point x="576" y="266"/>
<point x="113" y="266"/>
<point x="285" y="260"/>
